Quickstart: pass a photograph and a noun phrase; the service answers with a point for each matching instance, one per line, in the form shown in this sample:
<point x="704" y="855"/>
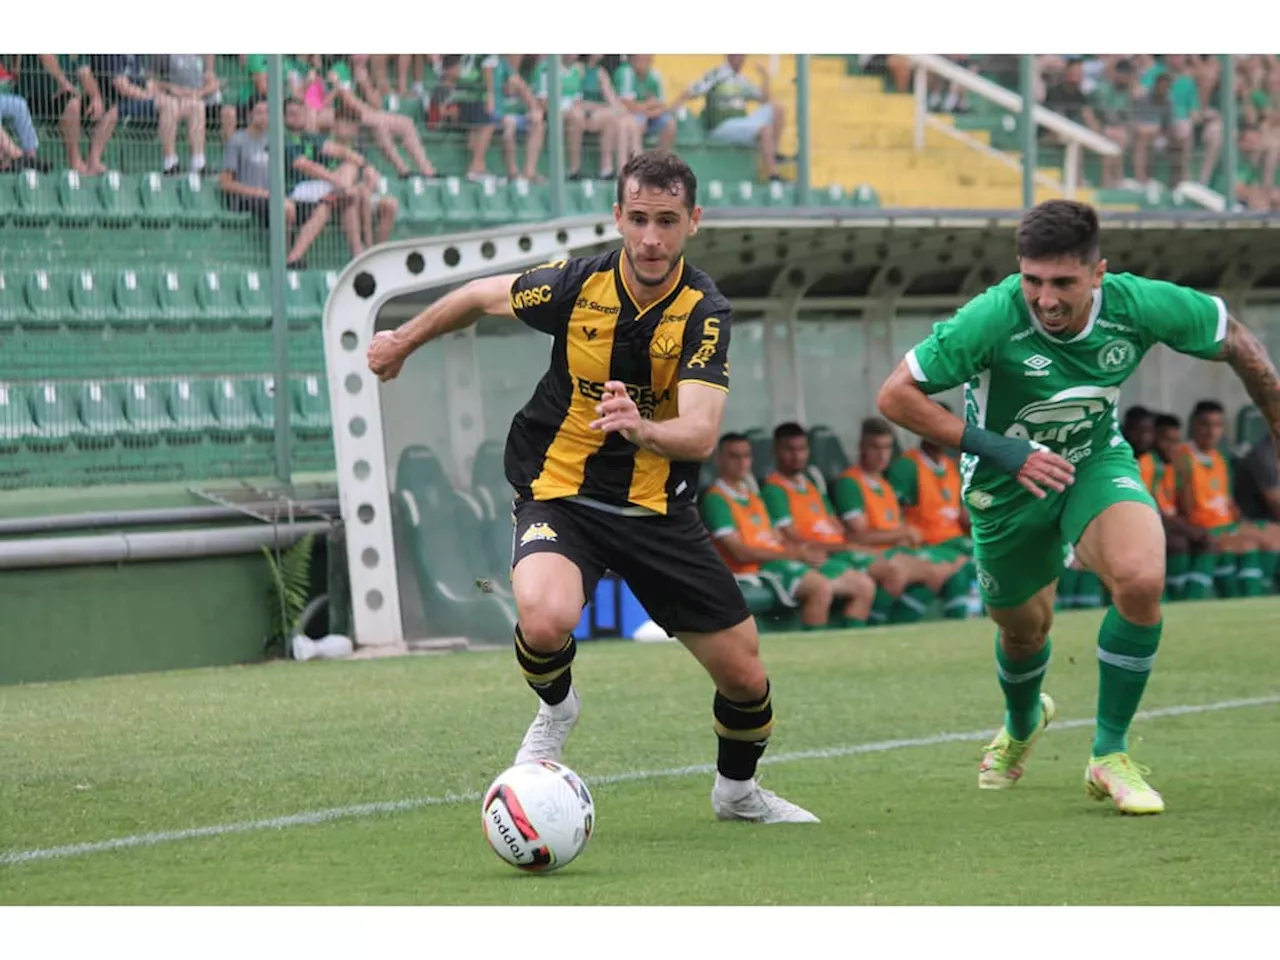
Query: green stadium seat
<point x="202" y="205"/>
<point x="14" y="309"/>
<point x="37" y="198"/>
<point x="305" y="292"/>
<point x="311" y="417"/>
<point x="135" y="296"/>
<point x="780" y="194"/>
<point x="253" y="292"/>
<point x="715" y="195"/>
<point x="101" y="415"/>
<point x="234" y="414"/>
<point x="146" y="414"/>
<point x="16" y="422"/>
<point x="190" y="410"/>
<point x="490" y="487"/>
<point x="826" y="453"/>
<point x="49" y="297"/>
<point x="864" y="195"/>
<point x="460" y="202"/>
<point x="176" y="297"/>
<point x="160" y="206"/>
<point x="588" y="198"/>
<point x="54" y="412"/>
<point x="530" y="202"/>
<point x="119" y="199"/>
<point x="420" y="203"/>
<point x="1251" y="427"/>
<point x="91" y="299"/>
<point x="761" y="441"/>
<point x="494" y="204"/>
<point x="8" y="201"/>
<point x="77" y="200"/>
<point x="742" y="193"/>
<point x="215" y="295"/>
<point x="442" y="530"/>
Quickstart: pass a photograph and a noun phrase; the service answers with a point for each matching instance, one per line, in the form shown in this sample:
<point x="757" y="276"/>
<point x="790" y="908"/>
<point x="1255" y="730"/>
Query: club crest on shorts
<point x="537" y="531"/>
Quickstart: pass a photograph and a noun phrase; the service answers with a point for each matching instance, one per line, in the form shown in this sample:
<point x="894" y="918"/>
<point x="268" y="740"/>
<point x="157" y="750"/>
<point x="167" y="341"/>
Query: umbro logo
<point x="1037" y="365"/>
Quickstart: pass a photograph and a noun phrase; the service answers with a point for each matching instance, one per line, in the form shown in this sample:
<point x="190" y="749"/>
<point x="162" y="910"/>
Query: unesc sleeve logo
<point x="710" y="342"/>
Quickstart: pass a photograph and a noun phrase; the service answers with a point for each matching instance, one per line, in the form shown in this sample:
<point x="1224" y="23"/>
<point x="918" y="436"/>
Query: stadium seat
<point x="146" y="414"/>
<point x="119" y="199"/>
<point x="780" y="194"/>
<point x="215" y="295"/>
<point x="189" y="409"/>
<point x="101" y="415"/>
<point x="442" y="531"/>
<point x="761" y="441"/>
<point x="202" y="204"/>
<point x="91" y="299"/>
<point x="1251" y="427"/>
<point x="54" y="412"/>
<point x="253" y="292"/>
<point x="235" y="417"/>
<point x="489" y="485"/>
<point x="176" y="297"/>
<point x="494" y="204"/>
<point x="14" y="309"/>
<point x="715" y="195"/>
<point x="826" y="453"/>
<point x="587" y="198"/>
<point x="37" y="198"/>
<point x="311" y="418"/>
<point x="135" y="296"/>
<point x="530" y="203"/>
<point x="460" y="203"/>
<point x="8" y="202"/>
<point x="77" y="201"/>
<point x="160" y="206"/>
<point x="420" y="203"/>
<point x="16" y="422"/>
<point x="49" y="296"/>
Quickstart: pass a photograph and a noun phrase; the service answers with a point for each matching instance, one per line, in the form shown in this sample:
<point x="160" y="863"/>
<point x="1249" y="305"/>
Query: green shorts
<point x="1020" y="546"/>
<point x="838" y="563"/>
<point x="784" y="576"/>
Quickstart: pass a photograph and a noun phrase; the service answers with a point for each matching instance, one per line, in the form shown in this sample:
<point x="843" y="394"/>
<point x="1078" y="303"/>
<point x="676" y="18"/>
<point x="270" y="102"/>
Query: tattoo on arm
<point x="1248" y="358"/>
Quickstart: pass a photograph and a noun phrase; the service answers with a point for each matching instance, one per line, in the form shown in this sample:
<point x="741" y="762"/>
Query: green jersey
<point x="1060" y="392"/>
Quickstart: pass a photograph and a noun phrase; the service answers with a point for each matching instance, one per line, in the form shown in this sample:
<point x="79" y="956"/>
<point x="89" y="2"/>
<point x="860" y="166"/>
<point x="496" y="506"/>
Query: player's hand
<point x="386" y="355"/>
<point x="1045" y="469"/>
<point x="618" y="412"/>
<point x="812" y="554"/>
<point x="912" y="536"/>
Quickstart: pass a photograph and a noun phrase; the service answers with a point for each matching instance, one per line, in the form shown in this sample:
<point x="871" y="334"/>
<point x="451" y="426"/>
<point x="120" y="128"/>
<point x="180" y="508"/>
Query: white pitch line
<point x="311" y="817"/>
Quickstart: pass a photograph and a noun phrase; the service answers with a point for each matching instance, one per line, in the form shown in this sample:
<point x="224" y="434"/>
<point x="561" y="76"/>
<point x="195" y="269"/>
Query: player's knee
<point x="814" y="585"/>
<point x="545" y="625"/>
<point x="1136" y="591"/>
<point x="1025" y="640"/>
<point x="743" y="678"/>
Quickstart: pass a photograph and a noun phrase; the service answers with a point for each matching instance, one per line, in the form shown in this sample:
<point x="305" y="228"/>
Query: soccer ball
<point x="538" y="816"/>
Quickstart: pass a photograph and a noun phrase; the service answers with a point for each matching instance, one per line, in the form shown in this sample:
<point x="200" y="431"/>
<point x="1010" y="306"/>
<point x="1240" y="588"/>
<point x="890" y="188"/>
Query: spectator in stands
<point x="246" y="181"/>
<point x="606" y="114"/>
<point x="1205" y="499"/>
<point x="745" y="536"/>
<point x="574" y="112"/>
<point x="235" y="112"/>
<point x="798" y="506"/>
<point x="639" y="87"/>
<point x="49" y="83"/>
<point x="1257" y="482"/>
<point x="1112" y="116"/>
<point x="1152" y="120"/>
<point x="465" y="99"/>
<point x="1193" y="122"/>
<point x="866" y="502"/>
<point x="370" y="216"/>
<point x="727" y="91"/>
<point x="14" y="110"/>
<point x="521" y="114"/>
<point x="192" y="77"/>
<point x="1139" y="429"/>
<point x="129" y="83"/>
<point x="1067" y="97"/>
<point x="927" y="483"/>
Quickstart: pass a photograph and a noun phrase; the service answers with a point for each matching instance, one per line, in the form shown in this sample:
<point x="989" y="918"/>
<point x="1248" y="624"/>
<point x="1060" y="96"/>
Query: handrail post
<point x="1071" y="175"/>
<point x="921" y="89"/>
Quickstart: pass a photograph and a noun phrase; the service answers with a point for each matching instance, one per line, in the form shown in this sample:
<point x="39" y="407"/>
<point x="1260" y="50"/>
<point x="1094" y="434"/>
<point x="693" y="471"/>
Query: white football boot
<point x="544" y="740"/>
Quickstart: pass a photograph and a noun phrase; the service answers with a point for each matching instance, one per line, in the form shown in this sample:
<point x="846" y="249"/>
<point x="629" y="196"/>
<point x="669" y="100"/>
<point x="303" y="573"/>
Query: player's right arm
<point x="958" y="350"/>
<point x="541" y="297"/>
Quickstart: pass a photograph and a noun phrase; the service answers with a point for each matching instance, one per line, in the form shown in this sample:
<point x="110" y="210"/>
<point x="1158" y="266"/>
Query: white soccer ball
<point x="538" y="816"/>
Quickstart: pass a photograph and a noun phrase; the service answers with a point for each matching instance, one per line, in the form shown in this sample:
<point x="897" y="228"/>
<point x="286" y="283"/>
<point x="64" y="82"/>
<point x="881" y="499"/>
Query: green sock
<point x="1267" y="560"/>
<point x="1249" y="574"/>
<point x="912" y="605"/>
<point x="1067" y="581"/>
<point x="1020" y="680"/>
<point x="1126" y="652"/>
<point x="880" y="606"/>
<point x="813" y="627"/>
<point x="1088" y="590"/>
<point x="1224" y="575"/>
<point x="1175" y="578"/>
<point x="1200" y="579"/>
<point x="955" y="593"/>
<point x="849" y="623"/>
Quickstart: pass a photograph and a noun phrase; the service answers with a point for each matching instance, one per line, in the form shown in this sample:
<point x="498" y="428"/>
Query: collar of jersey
<point x="1088" y="327"/>
<point x="678" y="273"/>
<point x="742" y="495"/>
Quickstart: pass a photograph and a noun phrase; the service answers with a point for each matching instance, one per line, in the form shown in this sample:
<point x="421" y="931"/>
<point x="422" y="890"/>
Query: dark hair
<point x="876" y="427"/>
<point x="1206" y="406"/>
<point x="253" y="103"/>
<point x="1165" y="420"/>
<point x="785" y="431"/>
<point x="450" y="60"/>
<point x="1136" y="413"/>
<point x="733" y="437"/>
<point x="1060" y="228"/>
<point x="661" y="169"/>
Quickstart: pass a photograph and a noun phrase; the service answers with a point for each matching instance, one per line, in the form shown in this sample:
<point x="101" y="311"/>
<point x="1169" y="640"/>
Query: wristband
<point x="1006" y="453"/>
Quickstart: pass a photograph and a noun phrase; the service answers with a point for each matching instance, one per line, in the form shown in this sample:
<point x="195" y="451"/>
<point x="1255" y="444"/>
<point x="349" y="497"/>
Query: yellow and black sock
<point x="743" y="729"/>
<point x="549" y="674"/>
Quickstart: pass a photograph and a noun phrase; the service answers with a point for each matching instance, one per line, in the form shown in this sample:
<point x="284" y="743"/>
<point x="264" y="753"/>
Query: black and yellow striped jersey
<point x="600" y="335"/>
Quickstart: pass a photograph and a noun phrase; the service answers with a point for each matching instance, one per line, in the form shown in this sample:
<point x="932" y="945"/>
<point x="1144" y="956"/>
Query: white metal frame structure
<point x="350" y="320"/>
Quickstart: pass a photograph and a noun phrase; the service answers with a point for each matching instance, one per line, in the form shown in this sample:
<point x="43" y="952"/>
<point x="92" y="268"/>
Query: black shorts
<point x="668" y="561"/>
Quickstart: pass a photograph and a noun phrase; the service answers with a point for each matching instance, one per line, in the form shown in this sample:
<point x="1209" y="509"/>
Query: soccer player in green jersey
<point x="1043" y="356"/>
